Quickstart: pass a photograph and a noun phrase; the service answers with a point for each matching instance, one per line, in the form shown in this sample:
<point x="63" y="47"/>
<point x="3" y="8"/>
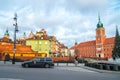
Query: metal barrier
<point x="112" y="67"/>
<point x="67" y="64"/>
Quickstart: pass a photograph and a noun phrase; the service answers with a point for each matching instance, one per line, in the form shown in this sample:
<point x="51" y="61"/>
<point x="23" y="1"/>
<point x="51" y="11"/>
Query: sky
<point x="69" y="20"/>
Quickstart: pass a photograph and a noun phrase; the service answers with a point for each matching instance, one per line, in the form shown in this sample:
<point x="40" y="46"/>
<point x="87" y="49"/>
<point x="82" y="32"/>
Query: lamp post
<point x="50" y="52"/>
<point x="15" y="31"/>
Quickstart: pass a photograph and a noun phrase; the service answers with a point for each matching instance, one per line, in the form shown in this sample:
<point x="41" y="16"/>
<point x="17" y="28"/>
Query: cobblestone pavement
<point x="77" y="69"/>
<point x="65" y="66"/>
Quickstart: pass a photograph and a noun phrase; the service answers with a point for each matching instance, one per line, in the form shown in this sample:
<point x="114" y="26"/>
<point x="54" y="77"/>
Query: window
<point x="28" y="43"/>
<point x="104" y="49"/>
<point x="48" y="59"/>
<point x="40" y="43"/>
<point x="40" y="48"/>
<point x="46" y="43"/>
<point x="36" y="59"/>
<point x="41" y="59"/>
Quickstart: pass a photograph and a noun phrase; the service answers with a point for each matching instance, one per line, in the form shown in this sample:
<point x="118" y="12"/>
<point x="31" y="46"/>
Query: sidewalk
<point x="81" y="65"/>
<point x="9" y="63"/>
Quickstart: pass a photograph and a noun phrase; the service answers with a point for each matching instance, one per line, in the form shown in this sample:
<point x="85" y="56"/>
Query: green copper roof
<point x="24" y="35"/>
<point x="7" y="33"/>
<point x="100" y="24"/>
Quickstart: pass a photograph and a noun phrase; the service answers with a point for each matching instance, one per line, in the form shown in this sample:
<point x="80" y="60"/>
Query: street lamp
<point x="15" y="31"/>
<point x="50" y="52"/>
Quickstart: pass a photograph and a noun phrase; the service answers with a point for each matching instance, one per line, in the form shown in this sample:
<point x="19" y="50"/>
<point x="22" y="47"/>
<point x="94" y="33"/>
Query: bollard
<point x="57" y="64"/>
<point x="90" y="64"/>
<point x="115" y="67"/>
<point x="118" y="68"/>
<point x="4" y="61"/>
<point x="67" y="63"/>
<point x="111" y="67"/>
<point x="86" y="64"/>
<point x="104" y="67"/>
<point x="108" y="67"/>
<point x="93" y="65"/>
<point x="100" y="66"/>
<point x="96" y="66"/>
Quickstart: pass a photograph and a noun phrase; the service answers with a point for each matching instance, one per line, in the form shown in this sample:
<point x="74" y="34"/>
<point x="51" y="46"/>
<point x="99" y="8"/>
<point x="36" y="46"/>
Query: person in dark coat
<point x="7" y="58"/>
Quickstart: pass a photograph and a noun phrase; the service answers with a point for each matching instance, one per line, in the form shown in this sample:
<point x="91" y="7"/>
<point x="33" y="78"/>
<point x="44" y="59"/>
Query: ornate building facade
<point x="22" y="51"/>
<point x="39" y="42"/>
<point x="45" y="45"/>
<point x="36" y="45"/>
<point x="101" y="48"/>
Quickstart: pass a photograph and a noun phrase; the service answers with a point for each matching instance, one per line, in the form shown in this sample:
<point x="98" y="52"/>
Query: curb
<point x="100" y="71"/>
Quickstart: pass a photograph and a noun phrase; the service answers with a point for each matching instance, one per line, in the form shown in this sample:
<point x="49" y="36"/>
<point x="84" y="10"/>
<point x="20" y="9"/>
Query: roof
<point x="93" y="43"/>
<point x="75" y="46"/>
<point x="31" y="35"/>
<point x="109" y="40"/>
<point x="5" y="39"/>
<point x="100" y="24"/>
<point x="10" y="48"/>
<point x="42" y="31"/>
<point x="88" y="43"/>
<point x="6" y="33"/>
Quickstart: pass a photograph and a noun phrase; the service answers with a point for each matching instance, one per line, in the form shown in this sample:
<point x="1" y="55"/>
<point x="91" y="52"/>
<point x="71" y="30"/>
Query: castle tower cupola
<point x="100" y="24"/>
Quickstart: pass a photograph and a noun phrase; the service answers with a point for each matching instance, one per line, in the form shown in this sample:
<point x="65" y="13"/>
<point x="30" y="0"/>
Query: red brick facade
<point x="101" y="48"/>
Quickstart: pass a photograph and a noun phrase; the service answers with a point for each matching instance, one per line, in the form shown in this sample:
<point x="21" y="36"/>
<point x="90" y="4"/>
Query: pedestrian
<point x="7" y="58"/>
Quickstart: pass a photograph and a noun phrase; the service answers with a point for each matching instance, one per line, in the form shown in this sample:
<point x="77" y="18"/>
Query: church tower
<point x="100" y="38"/>
<point x="24" y="35"/>
<point x="6" y="34"/>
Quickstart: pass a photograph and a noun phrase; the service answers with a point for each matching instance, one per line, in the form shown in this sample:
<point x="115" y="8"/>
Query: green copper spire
<point x="100" y="24"/>
<point x="75" y="42"/>
<point x="24" y="35"/>
<point x="6" y="33"/>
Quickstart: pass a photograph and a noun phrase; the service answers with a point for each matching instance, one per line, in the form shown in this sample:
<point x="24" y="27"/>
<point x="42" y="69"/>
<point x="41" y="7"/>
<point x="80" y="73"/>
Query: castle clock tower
<point x="100" y="38"/>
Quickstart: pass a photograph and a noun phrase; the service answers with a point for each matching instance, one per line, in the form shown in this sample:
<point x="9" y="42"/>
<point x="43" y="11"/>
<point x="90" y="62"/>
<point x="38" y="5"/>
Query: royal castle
<point x="101" y="48"/>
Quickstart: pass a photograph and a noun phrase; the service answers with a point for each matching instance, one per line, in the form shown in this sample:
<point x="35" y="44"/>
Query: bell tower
<point x="100" y="38"/>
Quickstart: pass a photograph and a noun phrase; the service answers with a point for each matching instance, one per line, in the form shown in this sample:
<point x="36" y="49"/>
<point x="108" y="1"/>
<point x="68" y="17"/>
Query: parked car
<point x="39" y="62"/>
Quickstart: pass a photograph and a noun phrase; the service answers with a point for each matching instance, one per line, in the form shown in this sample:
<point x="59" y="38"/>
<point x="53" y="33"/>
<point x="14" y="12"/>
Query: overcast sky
<point x="68" y="20"/>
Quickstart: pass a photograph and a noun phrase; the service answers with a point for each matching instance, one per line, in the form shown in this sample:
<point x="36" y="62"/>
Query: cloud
<point x="68" y="20"/>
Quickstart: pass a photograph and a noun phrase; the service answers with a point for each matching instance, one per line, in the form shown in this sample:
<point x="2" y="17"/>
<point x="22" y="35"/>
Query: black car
<point x="39" y="62"/>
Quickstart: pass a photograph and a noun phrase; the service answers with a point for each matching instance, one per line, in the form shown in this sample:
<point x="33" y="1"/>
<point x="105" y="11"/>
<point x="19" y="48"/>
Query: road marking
<point x="10" y="79"/>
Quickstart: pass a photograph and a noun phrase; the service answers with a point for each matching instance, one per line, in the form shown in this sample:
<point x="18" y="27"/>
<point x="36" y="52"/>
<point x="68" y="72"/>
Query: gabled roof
<point x="31" y="35"/>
